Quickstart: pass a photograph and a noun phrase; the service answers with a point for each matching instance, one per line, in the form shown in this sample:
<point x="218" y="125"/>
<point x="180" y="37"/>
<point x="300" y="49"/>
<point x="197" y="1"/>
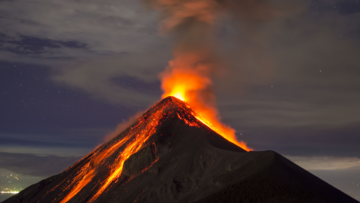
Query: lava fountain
<point x="188" y="80"/>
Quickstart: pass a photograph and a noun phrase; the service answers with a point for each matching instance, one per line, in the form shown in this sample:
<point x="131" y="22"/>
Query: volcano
<point x="168" y="155"/>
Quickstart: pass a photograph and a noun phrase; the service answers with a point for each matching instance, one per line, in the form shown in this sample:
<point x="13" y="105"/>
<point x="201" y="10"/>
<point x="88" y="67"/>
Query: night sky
<point x="71" y="71"/>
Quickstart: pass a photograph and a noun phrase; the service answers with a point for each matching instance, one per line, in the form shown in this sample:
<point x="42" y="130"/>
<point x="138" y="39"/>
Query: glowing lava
<point x="133" y="147"/>
<point x="187" y="79"/>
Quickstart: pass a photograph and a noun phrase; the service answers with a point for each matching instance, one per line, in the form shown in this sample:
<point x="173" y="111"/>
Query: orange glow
<point x="188" y="80"/>
<point x="178" y="94"/>
<point x="87" y="172"/>
<point x="81" y="180"/>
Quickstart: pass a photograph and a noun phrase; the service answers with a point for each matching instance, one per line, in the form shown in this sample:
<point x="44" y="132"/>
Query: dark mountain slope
<point x="272" y="178"/>
<point x="170" y="156"/>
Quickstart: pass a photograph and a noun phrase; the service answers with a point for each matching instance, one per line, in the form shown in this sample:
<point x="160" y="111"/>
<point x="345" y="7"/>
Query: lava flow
<point x="113" y="154"/>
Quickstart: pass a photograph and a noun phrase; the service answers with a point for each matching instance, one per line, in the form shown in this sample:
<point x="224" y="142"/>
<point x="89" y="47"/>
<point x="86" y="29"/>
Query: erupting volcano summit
<point x="168" y="155"/>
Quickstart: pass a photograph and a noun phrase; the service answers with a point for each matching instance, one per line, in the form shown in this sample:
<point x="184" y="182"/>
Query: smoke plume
<point x="192" y="24"/>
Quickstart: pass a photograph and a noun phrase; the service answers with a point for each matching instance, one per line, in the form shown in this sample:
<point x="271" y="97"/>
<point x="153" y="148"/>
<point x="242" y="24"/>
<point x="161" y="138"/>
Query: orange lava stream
<point x="130" y="149"/>
<point x="228" y="134"/>
<point x="83" y="178"/>
<point x="87" y="172"/>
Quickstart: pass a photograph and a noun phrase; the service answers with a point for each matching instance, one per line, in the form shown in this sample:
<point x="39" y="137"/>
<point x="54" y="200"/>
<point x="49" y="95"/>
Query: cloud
<point x="271" y="74"/>
<point x="325" y="163"/>
<point x="97" y="77"/>
<point x="107" y="26"/>
<point x="66" y="142"/>
<point x="88" y="44"/>
<point x="32" y="165"/>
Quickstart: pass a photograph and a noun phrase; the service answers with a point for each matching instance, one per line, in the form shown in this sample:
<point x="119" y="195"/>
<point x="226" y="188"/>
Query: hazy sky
<point x="70" y="71"/>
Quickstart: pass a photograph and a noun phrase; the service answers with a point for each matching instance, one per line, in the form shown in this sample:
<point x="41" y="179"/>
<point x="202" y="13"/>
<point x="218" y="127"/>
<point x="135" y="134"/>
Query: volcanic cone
<point x="168" y="155"/>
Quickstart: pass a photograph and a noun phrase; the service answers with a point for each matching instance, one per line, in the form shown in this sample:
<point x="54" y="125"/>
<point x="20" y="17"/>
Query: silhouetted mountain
<point x="170" y="156"/>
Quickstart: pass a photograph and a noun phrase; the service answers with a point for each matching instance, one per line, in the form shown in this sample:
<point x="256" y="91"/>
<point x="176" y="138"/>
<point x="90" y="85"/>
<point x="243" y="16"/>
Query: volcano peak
<point x="171" y="99"/>
<point x="170" y="103"/>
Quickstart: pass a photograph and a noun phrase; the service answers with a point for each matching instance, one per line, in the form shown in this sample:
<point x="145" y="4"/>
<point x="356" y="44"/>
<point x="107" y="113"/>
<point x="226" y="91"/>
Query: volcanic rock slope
<point x="170" y="156"/>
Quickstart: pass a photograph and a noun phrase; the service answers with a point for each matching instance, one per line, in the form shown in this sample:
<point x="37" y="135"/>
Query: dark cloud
<point x="32" y="165"/>
<point x="32" y="45"/>
<point x="51" y="18"/>
<point x="105" y="77"/>
<point x="106" y="27"/>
